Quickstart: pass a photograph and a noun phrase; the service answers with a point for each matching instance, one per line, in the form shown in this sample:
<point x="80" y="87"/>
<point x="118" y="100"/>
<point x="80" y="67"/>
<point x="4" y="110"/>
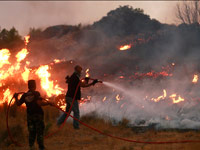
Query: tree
<point x="125" y="21"/>
<point x="188" y="12"/>
<point x="35" y="33"/>
<point x="10" y="38"/>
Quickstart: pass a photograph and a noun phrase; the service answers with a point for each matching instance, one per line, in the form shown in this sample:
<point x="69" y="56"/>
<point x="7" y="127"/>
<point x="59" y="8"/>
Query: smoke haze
<point x="24" y="15"/>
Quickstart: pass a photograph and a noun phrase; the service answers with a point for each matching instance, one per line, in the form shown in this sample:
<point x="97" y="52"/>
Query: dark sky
<point x="23" y="15"/>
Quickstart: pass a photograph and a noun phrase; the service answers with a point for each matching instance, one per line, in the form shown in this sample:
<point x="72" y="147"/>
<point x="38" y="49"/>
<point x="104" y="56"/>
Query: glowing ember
<point x="121" y="77"/>
<point x="160" y="97"/>
<point x="87" y="73"/>
<point x="104" y="98"/>
<point x="117" y="97"/>
<point x="21" y="55"/>
<point x="4" y="56"/>
<point x="195" y="78"/>
<point x="125" y="47"/>
<point x="57" y="60"/>
<point x="176" y="99"/>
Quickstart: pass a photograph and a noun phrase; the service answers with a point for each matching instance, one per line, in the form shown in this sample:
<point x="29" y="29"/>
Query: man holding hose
<point x="35" y="114"/>
<point x="73" y="85"/>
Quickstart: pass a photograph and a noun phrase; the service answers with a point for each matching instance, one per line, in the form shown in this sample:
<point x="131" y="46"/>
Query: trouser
<point x="75" y="109"/>
<point x="36" y="129"/>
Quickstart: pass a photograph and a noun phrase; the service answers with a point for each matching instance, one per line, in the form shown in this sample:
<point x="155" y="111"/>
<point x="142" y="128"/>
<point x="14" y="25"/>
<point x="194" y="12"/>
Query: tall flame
<point x="7" y="96"/>
<point x="25" y="74"/>
<point x="4" y="56"/>
<point x="21" y="55"/>
<point x="46" y="84"/>
<point x="26" y="39"/>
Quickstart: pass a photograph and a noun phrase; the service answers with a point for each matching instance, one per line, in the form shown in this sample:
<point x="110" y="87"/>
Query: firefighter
<point x="35" y="114"/>
<point x="73" y="82"/>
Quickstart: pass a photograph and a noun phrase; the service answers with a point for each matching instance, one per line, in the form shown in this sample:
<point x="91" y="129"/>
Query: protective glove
<point x="94" y="82"/>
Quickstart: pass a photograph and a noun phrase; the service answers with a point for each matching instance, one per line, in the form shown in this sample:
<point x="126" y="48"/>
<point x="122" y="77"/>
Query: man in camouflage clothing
<point x="35" y="114"/>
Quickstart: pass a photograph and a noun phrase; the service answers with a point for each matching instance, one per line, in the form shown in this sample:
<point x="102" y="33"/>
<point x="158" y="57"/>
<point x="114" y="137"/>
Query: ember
<point x="195" y="79"/>
<point x="125" y="47"/>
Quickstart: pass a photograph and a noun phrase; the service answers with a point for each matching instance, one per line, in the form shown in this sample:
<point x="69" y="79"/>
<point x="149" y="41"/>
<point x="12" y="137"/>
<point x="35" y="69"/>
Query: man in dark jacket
<point x="35" y="114"/>
<point x="72" y="86"/>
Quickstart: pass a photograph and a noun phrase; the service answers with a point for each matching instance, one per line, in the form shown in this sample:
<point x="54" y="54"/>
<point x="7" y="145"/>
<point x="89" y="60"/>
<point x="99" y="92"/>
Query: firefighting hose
<point x="90" y="127"/>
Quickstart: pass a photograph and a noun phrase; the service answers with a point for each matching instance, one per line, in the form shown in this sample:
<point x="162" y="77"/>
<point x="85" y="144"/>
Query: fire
<point x="121" y="77"/>
<point x="25" y="74"/>
<point x="26" y="39"/>
<point x="21" y="55"/>
<point x="4" y="56"/>
<point x="104" y="98"/>
<point x="176" y="99"/>
<point x="195" y="78"/>
<point x="57" y="60"/>
<point x="118" y="97"/>
<point x="46" y="84"/>
<point x="87" y="73"/>
<point x="22" y="73"/>
<point x="7" y="96"/>
<point x="160" y="97"/>
<point x="125" y="47"/>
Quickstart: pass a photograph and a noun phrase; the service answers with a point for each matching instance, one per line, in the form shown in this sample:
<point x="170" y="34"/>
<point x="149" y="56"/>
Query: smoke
<point x="93" y="49"/>
<point x="130" y="97"/>
<point x="141" y="110"/>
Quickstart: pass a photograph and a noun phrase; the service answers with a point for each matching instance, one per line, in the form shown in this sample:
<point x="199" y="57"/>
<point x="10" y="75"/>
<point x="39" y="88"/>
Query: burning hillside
<point x="150" y="75"/>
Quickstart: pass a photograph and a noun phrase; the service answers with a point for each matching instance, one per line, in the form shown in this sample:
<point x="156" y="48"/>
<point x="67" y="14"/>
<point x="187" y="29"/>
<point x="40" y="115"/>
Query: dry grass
<point x="86" y="139"/>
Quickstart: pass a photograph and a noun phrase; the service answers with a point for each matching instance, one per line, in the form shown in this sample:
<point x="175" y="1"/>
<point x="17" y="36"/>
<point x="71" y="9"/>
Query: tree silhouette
<point x="125" y="21"/>
<point x="188" y="12"/>
<point x="10" y="39"/>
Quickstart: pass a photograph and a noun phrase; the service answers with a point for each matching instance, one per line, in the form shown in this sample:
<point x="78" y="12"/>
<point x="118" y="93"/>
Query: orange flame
<point x="160" y="97"/>
<point x="21" y="55"/>
<point x="46" y="84"/>
<point x="4" y="56"/>
<point x="125" y="47"/>
<point x="57" y="61"/>
<point x="104" y="98"/>
<point x="7" y="96"/>
<point x="195" y="78"/>
<point x="87" y="73"/>
<point x="26" y="39"/>
<point x="25" y="74"/>
<point x="175" y="99"/>
<point x="118" y="97"/>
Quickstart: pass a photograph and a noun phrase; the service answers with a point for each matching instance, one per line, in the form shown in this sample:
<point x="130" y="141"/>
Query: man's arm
<point x="44" y="103"/>
<point x="84" y="84"/>
<point x="17" y="101"/>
